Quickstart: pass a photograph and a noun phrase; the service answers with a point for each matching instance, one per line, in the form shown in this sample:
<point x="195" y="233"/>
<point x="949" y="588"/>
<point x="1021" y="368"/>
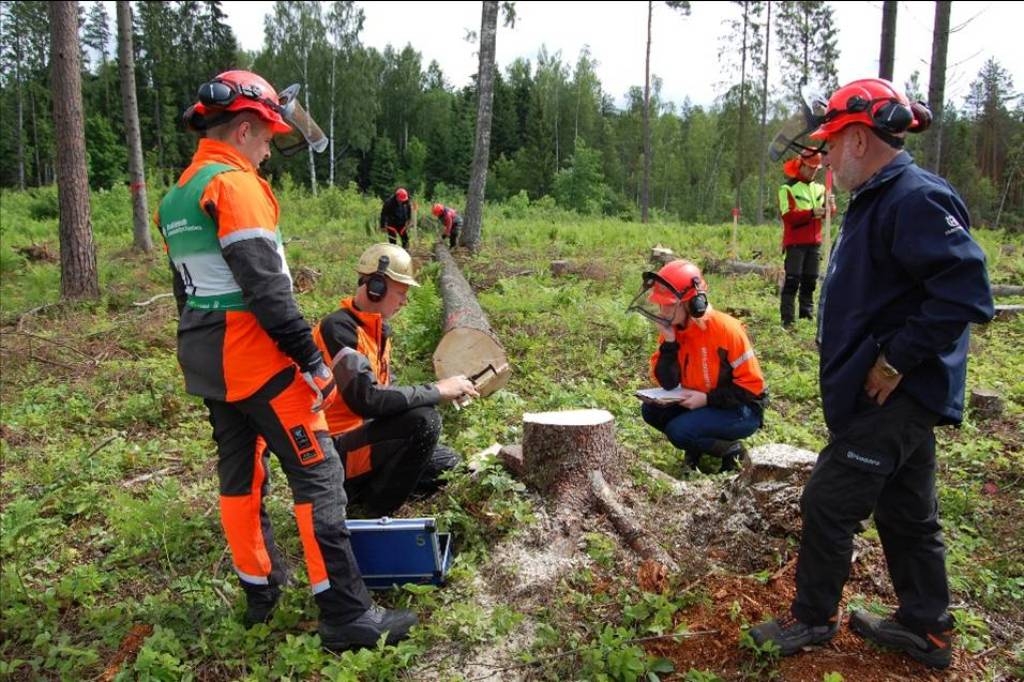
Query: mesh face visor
<point x="305" y="132"/>
<point x="794" y="136"/>
<point x="643" y="305"/>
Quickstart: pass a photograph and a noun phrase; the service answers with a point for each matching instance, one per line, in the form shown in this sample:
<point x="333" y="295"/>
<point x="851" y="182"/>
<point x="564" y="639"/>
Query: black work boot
<point x="728" y="451"/>
<point x="790" y="635"/>
<point x="260" y="604"/>
<point x="933" y="649"/>
<point x="365" y="630"/>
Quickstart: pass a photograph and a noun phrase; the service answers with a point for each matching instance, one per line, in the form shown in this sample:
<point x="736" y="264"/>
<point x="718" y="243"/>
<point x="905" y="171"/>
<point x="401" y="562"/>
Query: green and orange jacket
<point x="358" y="344"/>
<point x="239" y="324"/>
<point x="716" y="358"/>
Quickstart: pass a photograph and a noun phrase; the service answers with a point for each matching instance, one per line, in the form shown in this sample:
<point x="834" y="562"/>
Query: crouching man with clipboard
<point x="712" y="392"/>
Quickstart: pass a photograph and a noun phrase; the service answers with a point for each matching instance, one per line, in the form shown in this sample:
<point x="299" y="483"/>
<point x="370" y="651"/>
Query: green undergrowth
<point x="109" y="515"/>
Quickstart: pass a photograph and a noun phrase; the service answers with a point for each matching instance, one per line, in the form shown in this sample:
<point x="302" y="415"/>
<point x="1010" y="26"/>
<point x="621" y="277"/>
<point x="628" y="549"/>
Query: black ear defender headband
<point x="377" y="283"/>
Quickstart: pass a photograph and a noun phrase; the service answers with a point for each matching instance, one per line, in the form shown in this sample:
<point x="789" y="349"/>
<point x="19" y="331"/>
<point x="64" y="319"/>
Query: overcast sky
<point x="684" y="52"/>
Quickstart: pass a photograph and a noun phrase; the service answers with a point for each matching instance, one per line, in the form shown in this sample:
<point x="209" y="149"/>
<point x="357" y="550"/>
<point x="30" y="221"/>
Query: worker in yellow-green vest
<point x="802" y="205"/>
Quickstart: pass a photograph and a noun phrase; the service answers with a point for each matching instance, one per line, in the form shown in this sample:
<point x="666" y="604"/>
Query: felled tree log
<point x="1008" y="312"/>
<point x="773" y="273"/>
<point x="634" y="535"/>
<point x="1007" y="290"/>
<point x="468" y="346"/>
<point x="985" y="403"/>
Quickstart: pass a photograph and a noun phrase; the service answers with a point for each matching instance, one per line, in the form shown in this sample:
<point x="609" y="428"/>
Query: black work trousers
<point x="882" y="462"/>
<point x="278" y="419"/>
<point x="405" y="459"/>
<point x="802" y="263"/>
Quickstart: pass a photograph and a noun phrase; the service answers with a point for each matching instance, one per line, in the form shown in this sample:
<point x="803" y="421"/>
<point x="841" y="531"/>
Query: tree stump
<point x="561" y="448"/>
<point x="559" y="268"/>
<point x="986" y="403"/>
<point x="662" y="255"/>
<point x="468" y="346"/>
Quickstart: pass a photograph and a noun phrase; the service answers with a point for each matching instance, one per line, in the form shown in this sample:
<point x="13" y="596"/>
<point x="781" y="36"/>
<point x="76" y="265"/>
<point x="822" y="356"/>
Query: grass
<point x="109" y="493"/>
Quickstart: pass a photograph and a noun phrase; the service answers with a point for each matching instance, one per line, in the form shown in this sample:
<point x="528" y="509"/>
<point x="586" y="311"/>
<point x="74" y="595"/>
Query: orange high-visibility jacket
<point x="718" y="360"/>
<point x="358" y="346"/>
<point x="239" y="323"/>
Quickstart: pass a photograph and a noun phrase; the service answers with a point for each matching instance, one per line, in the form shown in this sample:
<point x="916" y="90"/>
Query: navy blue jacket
<point x="906" y="278"/>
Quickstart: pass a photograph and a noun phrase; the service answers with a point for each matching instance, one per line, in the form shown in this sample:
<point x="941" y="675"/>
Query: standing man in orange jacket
<point x="245" y="348"/>
<point x="802" y="206"/>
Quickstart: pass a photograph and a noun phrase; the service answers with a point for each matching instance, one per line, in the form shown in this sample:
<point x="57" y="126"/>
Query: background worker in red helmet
<point x="245" y="348"/>
<point x="802" y="205"/>
<point x="708" y="354"/>
<point x="396" y="217"/>
<point x="904" y="283"/>
<point x="451" y="223"/>
<point x="387" y="433"/>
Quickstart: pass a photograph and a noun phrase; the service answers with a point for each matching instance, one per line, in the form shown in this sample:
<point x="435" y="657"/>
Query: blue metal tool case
<point x="397" y="551"/>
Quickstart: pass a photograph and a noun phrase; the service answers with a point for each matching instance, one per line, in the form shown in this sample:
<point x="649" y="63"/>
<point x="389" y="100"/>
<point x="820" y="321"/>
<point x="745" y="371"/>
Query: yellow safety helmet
<point x="389" y="260"/>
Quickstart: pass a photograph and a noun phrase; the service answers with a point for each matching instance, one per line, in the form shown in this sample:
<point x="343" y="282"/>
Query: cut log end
<point x="468" y="351"/>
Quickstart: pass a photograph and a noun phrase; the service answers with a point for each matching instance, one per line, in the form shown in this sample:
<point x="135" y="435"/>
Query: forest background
<point x="556" y="132"/>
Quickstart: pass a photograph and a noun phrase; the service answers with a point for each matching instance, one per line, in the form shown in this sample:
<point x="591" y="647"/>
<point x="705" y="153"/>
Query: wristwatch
<point x="887" y="370"/>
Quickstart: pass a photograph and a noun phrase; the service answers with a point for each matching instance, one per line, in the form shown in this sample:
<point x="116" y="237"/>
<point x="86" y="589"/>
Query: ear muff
<point x="698" y="305"/>
<point x="893" y="117"/>
<point x="377" y="283"/>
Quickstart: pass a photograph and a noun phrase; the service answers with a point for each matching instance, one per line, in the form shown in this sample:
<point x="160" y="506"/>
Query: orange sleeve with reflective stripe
<point x="243" y="201"/>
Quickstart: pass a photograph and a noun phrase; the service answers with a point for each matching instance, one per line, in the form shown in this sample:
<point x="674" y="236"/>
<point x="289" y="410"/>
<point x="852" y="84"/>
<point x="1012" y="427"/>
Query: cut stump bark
<point x="468" y="346"/>
<point x="561" y="448"/>
<point x="986" y="403"/>
<point x="560" y="268"/>
<point x="662" y="255"/>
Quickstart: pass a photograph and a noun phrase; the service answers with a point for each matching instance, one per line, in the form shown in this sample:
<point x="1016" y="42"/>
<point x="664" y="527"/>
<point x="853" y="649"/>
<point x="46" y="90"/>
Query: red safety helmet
<point x="811" y="159"/>
<point x="679" y="280"/>
<point x="437" y="210"/>
<point x="875" y="102"/>
<point x="239" y="90"/>
<point x="401" y="194"/>
<point x="791" y="168"/>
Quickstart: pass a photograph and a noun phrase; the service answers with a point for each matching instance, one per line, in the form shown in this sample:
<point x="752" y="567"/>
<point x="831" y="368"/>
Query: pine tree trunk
<point x="887" y="52"/>
<point x="645" y="188"/>
<point x="470" y="236"/>
<point x="141" y="239"/>
<point x="79" y="278"/>
<point x="759" y="216"/>
<point x="742" y="118"/>
<point x="937" y="83"/>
